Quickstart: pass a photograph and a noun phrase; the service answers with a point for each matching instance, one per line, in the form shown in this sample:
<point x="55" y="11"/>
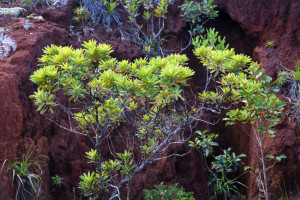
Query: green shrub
<point x="197" y="14"/>
<point x="102" y="92"/>
<point x="239" y="79"/>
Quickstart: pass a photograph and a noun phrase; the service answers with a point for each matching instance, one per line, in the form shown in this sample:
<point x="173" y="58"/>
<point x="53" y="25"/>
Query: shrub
<point x="81" y="15"/>
<point x="100" y="93"/>
<point x="104" y="92"/>
<point x="197" y="14"/>
<point x="55" y="3"/>
<point x="31" y="4"/>
<point x="150" y="35"/>
<point x="239" y="80"/>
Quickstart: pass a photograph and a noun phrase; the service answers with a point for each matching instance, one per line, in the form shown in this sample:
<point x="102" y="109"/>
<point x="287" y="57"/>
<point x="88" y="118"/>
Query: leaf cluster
<point x="171" y="192"/>
<point x="90" y="184"/>
<point x="110" y="87"/>
<point x="197" y="14"/>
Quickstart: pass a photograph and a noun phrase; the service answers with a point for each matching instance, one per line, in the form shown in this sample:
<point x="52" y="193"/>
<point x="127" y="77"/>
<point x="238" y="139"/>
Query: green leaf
<point x="270" y="156"/>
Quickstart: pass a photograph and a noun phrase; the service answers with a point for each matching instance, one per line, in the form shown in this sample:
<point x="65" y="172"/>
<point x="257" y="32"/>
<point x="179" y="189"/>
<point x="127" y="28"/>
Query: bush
<point x="102" y="92"/>
<point x="239" y="79"/>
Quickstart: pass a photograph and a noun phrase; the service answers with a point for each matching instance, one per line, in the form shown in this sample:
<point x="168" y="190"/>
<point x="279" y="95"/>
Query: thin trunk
<point x="99" y="165"/>
<point x="264" y="172"/>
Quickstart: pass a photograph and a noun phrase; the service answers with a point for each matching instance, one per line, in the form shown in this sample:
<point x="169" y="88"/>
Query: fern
<point x="6" y="45"/>
<point x="55" y="3"/>
<point x="16" y="11"/>
<point x="28" y="25"/>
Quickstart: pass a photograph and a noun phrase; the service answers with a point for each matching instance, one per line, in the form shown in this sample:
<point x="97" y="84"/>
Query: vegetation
<point x="81" y="15"/>
<point x="26" y="173"/>
<point x="102" y="12"/>
<point x="57" y="181"/>
<point x="145" y="26"/>
<point x="221" y="186"/>
<point x="97" y="93"/>
<point x="289" y="81"/>
<point x="241" y="80"/>
<point x="15" y="11"/>
<point x="168" y="193"/>
<point x="270" y="44"/>
<point x="28" y="25"/>
<point x="151" y="95"/>
<point x="6" y="45"/>
<point x="103" y="92"/>
<point x="198" y="14"/>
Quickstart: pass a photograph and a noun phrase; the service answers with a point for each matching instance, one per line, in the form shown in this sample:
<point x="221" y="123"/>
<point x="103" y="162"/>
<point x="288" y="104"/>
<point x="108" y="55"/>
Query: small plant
<point x="102" y="11"/>
<point x="111" y="6"/>
<point x="289" y="81"/>
<point x="82" y="15"/>
<point x="6" y="45"/>
<point x="26" y="173"/>
<point x="57" y="181"/>
<point x="270" y="44"/>
<point x="221" y="186"/>
<point x="168" y="193"/>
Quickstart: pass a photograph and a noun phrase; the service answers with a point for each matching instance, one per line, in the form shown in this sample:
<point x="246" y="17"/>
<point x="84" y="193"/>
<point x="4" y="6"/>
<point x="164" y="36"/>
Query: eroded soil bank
<point x="247" y="25"/>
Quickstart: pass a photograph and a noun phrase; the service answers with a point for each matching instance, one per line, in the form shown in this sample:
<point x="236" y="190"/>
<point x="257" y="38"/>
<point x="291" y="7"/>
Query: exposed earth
<point x="247" y="25"/>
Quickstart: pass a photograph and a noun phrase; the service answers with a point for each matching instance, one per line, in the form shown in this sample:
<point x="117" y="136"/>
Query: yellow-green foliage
<point x="239" y="80"/>
<point x="106" y="87"/>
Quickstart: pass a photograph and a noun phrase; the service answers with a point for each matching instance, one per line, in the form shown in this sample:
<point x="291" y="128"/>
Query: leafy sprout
<point x="57" y="181"/>
<point x="270" y="44"/>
